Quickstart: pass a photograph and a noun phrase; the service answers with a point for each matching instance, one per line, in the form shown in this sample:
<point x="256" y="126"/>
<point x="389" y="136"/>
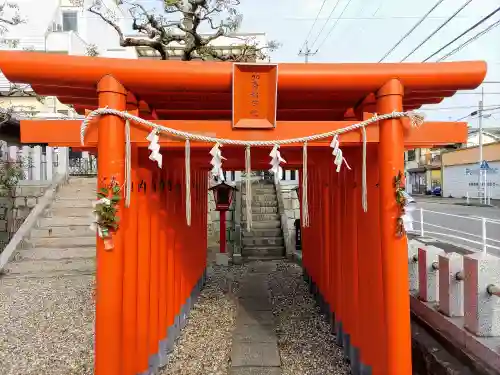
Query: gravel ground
<point x="306" y="345"/>
<point x="46" y="326"/>
<point x="34" y="342"/>
<point x="205" y="343"/>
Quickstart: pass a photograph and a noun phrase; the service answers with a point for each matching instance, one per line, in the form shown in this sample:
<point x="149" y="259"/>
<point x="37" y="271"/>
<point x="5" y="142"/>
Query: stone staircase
<point x="46" y="290"/>
<point x="265" y="240"/>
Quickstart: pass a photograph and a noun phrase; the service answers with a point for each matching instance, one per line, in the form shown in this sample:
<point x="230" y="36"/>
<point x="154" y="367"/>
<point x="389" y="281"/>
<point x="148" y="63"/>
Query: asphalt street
<point x="458" y="224"/>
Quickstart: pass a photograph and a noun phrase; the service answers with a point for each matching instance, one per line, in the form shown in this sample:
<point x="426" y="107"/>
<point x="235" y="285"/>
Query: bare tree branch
<point x="9" y="16"/>
<point x="167" y="35"/>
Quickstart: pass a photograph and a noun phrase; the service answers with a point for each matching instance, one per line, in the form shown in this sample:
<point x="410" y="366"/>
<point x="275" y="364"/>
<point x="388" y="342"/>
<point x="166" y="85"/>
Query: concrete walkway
<point x="255" y="345"/>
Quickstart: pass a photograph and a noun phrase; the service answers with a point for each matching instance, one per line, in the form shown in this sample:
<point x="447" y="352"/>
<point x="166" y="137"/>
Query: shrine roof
<point x="203" y="90"/>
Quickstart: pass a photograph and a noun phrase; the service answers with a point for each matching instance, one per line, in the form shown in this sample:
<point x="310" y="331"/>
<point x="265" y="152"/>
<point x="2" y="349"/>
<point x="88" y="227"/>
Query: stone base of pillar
<point x="237" y="259"/>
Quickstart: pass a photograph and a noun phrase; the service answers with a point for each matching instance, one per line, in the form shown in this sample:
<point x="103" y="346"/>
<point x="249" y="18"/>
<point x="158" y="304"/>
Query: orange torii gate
<point x="354" y="260"/>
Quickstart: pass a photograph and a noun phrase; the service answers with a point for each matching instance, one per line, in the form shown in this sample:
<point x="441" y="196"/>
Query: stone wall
<point x="289" y="209"/>
<point x="16" y="208"/>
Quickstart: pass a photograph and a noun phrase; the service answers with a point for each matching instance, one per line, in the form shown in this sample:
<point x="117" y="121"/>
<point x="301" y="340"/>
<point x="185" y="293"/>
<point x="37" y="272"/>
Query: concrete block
<point x="222" y="259"/>
<point x="428" y="279"/>
<point x="237" y="258"/>
<point x="255" y="354"/>
<point x="413" y="246"/>
<point x="451" y="287"/>
<point x="255" y="371"/>
<point x="250" y="333"/>
<point x="31" y="202"/>
<point x="482" y="310"/>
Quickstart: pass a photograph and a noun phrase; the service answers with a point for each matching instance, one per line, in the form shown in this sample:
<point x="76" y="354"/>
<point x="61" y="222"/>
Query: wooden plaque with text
<point x="254" y="95"/>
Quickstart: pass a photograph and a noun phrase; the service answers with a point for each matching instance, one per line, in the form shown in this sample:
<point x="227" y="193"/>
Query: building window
<point x="70" y="21"/>
<point x="411" y="155"/>
<point x="292" y="175"/>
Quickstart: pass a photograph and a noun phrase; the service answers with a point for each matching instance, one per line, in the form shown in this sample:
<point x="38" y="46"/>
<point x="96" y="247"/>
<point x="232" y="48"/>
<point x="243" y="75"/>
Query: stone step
<point x="262" y="217"/>
<point x="255" y="203"/>
<point x="82" y="203"/>
<point x="264" y="210"/>
<point x="272" y="232"/>
<point x="263" y="241"/>
<point x="83" y="181"/>
<point x="67" y="231"/>
<point x="263" y="198"/>
<point x="76" y="195"/>
<point x="69" y="212"/>
<point x="47" y="268"/>
<point x="41" y="253"/>
<point x="263" y="258"/>
<point x="263" y="251"/>
<point x="62" y="242"/>
<point x="51" y="222"/>
<point x="270" y="224"/>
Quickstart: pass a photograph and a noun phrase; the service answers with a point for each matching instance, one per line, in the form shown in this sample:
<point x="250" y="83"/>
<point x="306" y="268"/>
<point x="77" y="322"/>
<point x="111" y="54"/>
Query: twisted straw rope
<point x="415" y="118"/>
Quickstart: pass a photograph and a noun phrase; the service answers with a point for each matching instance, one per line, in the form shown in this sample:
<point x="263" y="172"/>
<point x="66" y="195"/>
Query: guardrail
<point x="475" y="233"/>
<point x="458" y="296"/>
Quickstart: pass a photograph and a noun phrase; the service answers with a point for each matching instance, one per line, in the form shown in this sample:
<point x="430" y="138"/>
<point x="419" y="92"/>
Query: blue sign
<point x="484" y="165"/>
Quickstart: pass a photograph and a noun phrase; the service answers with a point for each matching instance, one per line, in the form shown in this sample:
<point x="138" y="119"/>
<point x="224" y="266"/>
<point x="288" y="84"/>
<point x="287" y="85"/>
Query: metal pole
<point x="480" y="119"/>
<point x="485" y="245"/>
<point x="222" y="233"/>
<point x="421" y="222"/>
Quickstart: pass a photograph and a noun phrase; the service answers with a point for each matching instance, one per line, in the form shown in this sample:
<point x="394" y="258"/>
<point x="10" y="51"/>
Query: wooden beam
<point x="67" y="132"/>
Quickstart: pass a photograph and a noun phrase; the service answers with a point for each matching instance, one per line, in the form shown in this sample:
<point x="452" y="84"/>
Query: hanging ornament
<point x="337" y="152"/>
<point x="154" y="147"/>
<point x="275" y="162"/>
<point x="216" y="162"/>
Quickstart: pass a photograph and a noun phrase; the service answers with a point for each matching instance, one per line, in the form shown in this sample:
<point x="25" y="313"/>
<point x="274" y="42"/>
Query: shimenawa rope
<point x="415" y="119"/>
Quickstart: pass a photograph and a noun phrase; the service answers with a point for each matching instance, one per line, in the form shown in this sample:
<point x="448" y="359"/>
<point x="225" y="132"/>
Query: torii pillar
<point x="394" y="263"/>
<point x="109" y="276"/>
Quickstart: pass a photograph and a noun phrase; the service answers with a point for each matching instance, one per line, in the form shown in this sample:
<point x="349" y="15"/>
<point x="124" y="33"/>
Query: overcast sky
<point x="369" y="28"/>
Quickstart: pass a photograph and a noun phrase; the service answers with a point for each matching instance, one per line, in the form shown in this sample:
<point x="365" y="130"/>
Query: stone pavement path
<point x="255" y="345"/>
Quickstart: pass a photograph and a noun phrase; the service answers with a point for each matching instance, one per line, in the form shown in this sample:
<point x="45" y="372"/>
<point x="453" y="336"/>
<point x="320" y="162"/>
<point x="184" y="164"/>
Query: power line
<point x="437" y="30"/>
<point x="465" y="32"/>
<point x="335" y="24"/>
<point x="326" y="22"/>
<point x="457" y="107"/>
<point x="475" y="113"/>
<point x="474" y="38"/>
<point x="312" y="27"/>
<point x="411" y="30"/>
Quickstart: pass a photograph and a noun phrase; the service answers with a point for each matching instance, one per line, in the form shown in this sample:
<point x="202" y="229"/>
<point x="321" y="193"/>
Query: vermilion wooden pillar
<point x="394" y="253"/>
<point x="130" y="273"/>
<point x="129" y="342"/>
<point x="154" y="205"/>
<point x="109" y="300"/>
<point x="143" y="263"/>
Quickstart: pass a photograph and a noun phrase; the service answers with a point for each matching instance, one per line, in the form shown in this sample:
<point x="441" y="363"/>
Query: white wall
<point x="473" y="139"/>
<point x="460" y="179"/>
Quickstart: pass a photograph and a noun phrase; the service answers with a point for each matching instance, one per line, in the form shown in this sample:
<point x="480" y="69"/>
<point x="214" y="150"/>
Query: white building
<point x="67" y="27"/>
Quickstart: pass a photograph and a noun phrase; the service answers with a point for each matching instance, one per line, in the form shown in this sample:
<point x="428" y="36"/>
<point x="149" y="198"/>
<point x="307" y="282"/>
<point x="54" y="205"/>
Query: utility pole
<point x="307" y="52"/>
<point x="482" y="189"/>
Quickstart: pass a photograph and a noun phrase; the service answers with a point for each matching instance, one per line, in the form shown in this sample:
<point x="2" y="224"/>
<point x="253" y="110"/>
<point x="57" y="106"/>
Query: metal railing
<point x="473" y="233"/>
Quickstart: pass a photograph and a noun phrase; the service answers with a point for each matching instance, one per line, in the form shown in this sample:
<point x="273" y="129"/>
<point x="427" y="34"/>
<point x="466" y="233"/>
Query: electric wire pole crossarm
<point x="306" y="52"/>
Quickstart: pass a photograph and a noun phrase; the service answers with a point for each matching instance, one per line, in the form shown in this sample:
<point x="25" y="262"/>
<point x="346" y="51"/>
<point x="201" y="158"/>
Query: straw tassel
<point x="188" y="181"/>
<point x="248" y="198"/>
<point x="305" y="207"/>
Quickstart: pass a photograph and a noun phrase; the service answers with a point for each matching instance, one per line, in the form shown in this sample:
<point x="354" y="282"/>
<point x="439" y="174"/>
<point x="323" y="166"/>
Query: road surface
<point x="459" y="224"/>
